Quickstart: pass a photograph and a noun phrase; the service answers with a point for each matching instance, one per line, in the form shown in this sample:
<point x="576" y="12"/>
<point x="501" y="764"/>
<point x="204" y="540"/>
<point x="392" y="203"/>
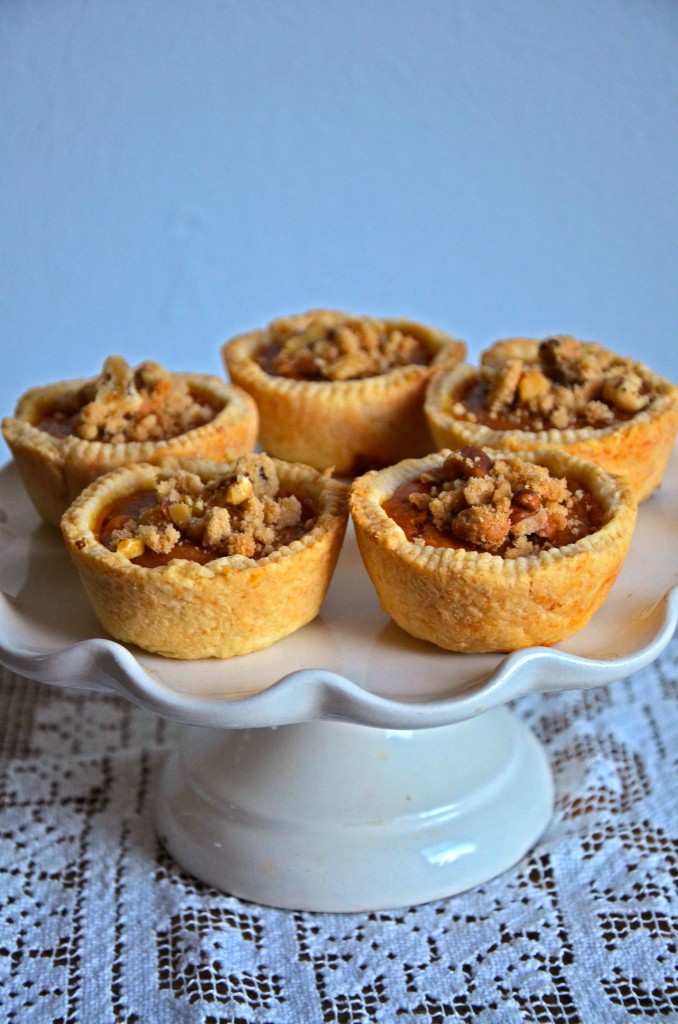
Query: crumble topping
<point x="507" y="507"/>
<point x="239" y="513"/>
<point x="560" y="382"/>
<point x="330" y="349"/>
<point x="127" y="404"/>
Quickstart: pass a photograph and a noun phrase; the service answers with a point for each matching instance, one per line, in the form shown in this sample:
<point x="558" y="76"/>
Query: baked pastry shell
<point x="229" y="606"/>
<point x="349" y="425"/>
<point x="55" y="470"/>
<point x="639" y="448"/>
<point x="470" y="601"/>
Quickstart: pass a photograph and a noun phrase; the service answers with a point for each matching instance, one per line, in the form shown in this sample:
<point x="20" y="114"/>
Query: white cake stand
<point x="348" y="767"/>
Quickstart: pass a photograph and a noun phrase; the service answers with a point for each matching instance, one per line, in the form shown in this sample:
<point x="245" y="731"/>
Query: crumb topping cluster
<point x="559" y="382"/>
<point x="335" y="350"/>
<point x="143" y="404"/>
<point x="239" y="513"/>
<point x="509" y="507"/>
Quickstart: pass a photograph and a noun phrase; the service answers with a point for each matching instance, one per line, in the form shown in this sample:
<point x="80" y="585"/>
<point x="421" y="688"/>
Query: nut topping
<point x="351" y="349"/>
<point x="506" y="506"/>
<point x="469" y="462"/>
<point x="527" y="499"/>
<point x="556" y="383"/>
<point x="127" y="404"/>
<point x="240" y="513"/>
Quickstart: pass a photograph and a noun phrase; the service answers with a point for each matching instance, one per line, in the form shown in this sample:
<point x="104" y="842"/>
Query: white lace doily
<point x="98" y="925"/>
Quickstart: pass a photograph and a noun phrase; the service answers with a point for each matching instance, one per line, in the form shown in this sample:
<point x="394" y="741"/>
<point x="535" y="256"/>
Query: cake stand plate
<point x="348" y="767"/>
<point x="335" y="817"/>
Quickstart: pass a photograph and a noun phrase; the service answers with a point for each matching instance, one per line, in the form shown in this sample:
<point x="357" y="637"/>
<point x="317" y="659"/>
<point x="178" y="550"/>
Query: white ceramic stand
<point x="347" y="767"/>
<point x="329" y="816"/>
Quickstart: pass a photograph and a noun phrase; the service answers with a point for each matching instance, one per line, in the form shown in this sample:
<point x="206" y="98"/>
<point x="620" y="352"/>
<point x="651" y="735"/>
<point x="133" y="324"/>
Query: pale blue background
<point x="175" y="172"/>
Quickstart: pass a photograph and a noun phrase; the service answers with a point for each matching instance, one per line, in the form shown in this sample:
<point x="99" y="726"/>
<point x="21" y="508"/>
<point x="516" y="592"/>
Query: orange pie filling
<point x="509" y="508"/>
<point x="327" y="348"/>
<point x="243" y="512"/>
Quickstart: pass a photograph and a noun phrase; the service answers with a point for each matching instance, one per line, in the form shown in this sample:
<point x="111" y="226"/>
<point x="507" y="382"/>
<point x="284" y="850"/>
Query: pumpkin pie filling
<point x="478" y="503"/>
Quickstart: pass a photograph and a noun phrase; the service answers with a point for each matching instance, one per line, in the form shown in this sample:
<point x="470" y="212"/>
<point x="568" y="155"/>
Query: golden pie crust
<point x="639" y="448"/>
<point x="350" y="425"/>
<point x="470" y="601"/>
<point x="229" y="606"/>
<point x="54" y="470"/>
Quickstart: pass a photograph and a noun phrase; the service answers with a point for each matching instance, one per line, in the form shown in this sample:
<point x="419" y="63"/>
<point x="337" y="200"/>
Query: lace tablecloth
<point x="98" y="925"/>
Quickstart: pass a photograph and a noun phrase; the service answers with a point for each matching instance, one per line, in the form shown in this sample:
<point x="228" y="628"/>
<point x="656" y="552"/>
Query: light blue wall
<point x="174" y="172"/>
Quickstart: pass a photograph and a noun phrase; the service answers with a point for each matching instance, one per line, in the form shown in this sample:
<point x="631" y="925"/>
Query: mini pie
<point x="203" y="560"/>
<point x="341" y="391"/>
<point x="63" y="436"/>
<point x="478" y="550"/>
<point x="560" y="393"/>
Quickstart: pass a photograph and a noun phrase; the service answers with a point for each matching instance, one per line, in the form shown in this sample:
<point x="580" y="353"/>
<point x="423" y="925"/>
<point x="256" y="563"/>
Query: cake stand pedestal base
<point x="329" y="816"/>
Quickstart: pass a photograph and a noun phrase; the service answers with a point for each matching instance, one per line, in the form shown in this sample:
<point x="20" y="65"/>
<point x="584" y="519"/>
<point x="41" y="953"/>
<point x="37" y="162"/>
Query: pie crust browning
<point x="55" y="470"/>
<point x="350" y="425"/>
<point x="471" y="601"/>
<point x="639" y="447"/>
<point x="229" y="606"/>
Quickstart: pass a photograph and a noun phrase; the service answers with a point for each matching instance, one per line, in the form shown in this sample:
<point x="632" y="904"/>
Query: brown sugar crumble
<point x="558" y="383"/>
<point x="507" y="507"/>
<point x="336" y="350"/>
<point x="124" y="404"/>
<point x="241" y="512"/>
